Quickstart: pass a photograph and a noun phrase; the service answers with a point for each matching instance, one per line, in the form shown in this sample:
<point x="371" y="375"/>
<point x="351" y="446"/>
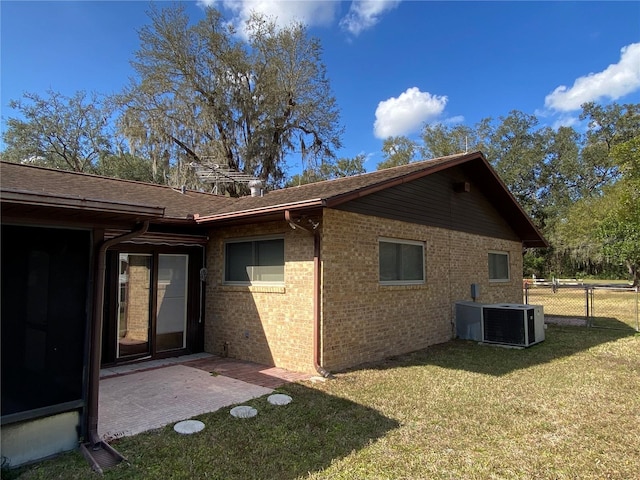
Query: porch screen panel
<point x="45" y="279"/>
<point x="171" y="321"/>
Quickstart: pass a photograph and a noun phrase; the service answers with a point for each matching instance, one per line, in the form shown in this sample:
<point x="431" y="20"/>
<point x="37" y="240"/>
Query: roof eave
<point x="256" y="212"/>
<point x="535" y="243"/>
<point x="33" y="199"/>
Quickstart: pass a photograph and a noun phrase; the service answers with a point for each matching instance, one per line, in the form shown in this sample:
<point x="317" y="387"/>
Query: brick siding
<point x="362" y="320"/>
<point x="264" y="324"/>
<point x="365" y="321"/>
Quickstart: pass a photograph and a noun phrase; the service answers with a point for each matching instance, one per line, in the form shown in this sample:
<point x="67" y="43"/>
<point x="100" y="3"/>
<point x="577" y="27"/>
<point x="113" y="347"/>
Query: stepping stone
<point x="244" y="411"/>
<point x="188" y="427"/>
<point x="279" y="399"/>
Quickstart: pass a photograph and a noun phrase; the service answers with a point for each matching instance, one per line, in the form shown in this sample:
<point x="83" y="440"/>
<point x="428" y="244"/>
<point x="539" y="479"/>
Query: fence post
<point x="587" y="317"/>
<point x="592" y="305"/>
<point x="526" y="294"/>
<point x="637" y="313"/>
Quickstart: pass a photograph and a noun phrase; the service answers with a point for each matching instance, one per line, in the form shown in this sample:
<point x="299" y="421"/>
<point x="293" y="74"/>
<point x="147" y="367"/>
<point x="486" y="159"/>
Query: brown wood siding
<point x="432" y="201"/>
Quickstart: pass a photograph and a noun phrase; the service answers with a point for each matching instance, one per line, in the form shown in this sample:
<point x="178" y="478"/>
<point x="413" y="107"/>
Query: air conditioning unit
<point x="513" y="324"/>
<point x="468" y="320"/>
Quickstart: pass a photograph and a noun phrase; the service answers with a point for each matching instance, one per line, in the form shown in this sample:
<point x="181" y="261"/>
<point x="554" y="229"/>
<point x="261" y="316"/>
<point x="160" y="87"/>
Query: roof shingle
<point x="64" y="184"/>
<point x="333" y="189"/>
<point x="208" y="208"/>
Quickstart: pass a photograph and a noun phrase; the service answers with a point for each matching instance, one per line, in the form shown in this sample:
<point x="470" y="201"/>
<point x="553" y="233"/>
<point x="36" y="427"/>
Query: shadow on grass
<point x="282" y="442"/>
<point x="488" y="359"/>
<point x="612" y="323"/>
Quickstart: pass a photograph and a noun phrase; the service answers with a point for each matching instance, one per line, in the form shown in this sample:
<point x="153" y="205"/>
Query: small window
<point x="401" y="262"/>
<point x="498" y="266"/>
<point x="254" y="261"/>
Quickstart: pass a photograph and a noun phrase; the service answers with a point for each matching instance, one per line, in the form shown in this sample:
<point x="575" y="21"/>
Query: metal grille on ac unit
<point x="513" y="324"/>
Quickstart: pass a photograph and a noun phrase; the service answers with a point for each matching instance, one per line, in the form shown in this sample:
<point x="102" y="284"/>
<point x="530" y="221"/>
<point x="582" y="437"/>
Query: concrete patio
<point x="145" y="396"/>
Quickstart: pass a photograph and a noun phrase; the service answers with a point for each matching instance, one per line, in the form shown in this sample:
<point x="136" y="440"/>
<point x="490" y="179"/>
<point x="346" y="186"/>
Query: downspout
<point x="96" y="332"/>
<point x="317" y="285"/>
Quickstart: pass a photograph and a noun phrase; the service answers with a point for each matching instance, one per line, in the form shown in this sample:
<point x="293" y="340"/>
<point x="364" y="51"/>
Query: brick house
<point x="320" y="277"/>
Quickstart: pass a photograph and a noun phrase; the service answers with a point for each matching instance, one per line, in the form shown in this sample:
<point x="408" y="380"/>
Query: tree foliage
<point x="397" y="151"/>
<point x="343" y="167"/>
<point x="70" y="133"/>
<point x="347" y="167"/>
<point x="204" y="96"/>
<point x="619" y="230"/>
<point x="605" y="227"/>
<point x="125" y="166"/>
<point x="440" y="140"/>
<point x="577" y="187"/>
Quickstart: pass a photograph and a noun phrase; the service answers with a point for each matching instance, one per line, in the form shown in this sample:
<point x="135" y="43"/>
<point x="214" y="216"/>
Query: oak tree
<point x="57" y="131"/>
<point x="202" y="95"/>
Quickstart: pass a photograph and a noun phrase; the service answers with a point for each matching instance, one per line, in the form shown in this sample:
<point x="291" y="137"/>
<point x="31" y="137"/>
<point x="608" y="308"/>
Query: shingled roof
<point x="20" y="183"/>
<point x="332" y="193"/>
<point x="31" y="185"/>
<point x="326" y="193"/>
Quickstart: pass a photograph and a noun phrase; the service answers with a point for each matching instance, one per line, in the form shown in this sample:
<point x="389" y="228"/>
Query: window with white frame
<point x="254" y="261"/>
<point x="498" y="267"/>
<point x="401" y="262"/>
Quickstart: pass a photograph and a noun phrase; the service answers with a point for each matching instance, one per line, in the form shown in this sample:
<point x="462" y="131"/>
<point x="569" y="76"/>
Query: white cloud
<point x="615" y="81"/>
<point x="407" y="113"/>
<point x="566" y="121"/>
<point x="453" y="120"/>
<point x="283" y="12"/>
<point x="364" y="14"/>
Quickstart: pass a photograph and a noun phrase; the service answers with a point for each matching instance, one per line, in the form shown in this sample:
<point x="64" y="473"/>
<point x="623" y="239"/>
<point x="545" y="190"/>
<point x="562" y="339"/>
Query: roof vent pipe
<point x="256" y="188"/>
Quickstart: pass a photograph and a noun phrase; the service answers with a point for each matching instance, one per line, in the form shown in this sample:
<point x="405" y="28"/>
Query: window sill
<point x="254" y="288"/>
<point x="408" y="286"/>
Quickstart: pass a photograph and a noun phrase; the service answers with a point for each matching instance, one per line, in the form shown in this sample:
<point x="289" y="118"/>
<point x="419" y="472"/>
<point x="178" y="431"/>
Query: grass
<point x="567" y="408"/>
<point x="609" y="307"/>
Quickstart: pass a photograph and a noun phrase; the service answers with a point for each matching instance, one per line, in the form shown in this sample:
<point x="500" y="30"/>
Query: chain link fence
<point x="570" y="302"/>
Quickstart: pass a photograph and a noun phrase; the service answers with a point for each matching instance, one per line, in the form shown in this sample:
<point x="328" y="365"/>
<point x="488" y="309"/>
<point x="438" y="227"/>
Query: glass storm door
<point x="171" y="309"/>
<point x="152" y="306"/>
<point x="134" y="305"/>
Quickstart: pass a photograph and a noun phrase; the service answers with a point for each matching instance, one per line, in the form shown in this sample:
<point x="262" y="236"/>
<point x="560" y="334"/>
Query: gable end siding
<point x="432" y="201"/>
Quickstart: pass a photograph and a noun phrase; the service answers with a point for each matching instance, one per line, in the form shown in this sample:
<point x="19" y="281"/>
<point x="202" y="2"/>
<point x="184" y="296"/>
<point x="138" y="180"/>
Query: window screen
<point x="255" y="261"/>
<point x="498" y="266"/>
<point x="401" y="262"/>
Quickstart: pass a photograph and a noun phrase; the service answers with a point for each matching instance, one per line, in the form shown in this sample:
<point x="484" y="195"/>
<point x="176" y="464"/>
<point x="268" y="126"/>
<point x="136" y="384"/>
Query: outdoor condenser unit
<point x="469" y="320"/>
<point x="513" y="324"/>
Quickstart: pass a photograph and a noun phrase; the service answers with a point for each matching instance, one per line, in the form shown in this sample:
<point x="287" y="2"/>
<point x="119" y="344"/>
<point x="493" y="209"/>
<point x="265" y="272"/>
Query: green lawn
<point x="567" y="408"/>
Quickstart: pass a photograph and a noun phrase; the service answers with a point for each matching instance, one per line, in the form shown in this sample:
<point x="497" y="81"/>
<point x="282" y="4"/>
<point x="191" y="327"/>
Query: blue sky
<point x="393" y="65"/>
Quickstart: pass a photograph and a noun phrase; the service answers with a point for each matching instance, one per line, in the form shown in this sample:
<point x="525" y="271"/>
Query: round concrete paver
<point x="244" y="411"/>
<point x="279" y="399"/>
<point x="188" y="427"/>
